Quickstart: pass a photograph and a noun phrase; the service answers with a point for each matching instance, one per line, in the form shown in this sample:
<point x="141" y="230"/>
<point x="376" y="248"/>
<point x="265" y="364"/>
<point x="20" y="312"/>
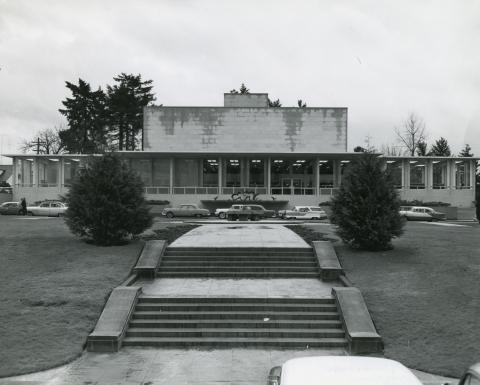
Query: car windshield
<point x="315" y="209"/>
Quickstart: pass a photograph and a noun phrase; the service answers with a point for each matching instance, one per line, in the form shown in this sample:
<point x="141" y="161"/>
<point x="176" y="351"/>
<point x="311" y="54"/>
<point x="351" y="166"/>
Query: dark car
<point x="248" y="212"/>
<point x="10" y="208"/>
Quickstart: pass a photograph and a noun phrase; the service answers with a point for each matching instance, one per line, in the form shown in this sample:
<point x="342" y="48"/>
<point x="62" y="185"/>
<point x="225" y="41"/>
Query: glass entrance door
<point x="292" y="186"/>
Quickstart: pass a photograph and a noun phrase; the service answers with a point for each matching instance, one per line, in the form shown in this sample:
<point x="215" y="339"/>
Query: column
<point x="171" y="174"/>
<point x="473" y="170"/>
<point x="450" y="181"/>
<point x="316" y="170"/>
<point x="336" y="173"/>
<point x="61" y="173"/>
<point x="406" y="165"/>
<point x="35" y="172"/>
<point x="14" y="172"/>
<point x="269" y="176"/>
<point x="220" y="174"/>
<point x="429" y="176"/>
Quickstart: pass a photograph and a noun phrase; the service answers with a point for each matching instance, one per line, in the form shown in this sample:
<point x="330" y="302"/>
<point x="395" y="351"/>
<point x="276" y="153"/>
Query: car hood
<point x="346" y="371"/>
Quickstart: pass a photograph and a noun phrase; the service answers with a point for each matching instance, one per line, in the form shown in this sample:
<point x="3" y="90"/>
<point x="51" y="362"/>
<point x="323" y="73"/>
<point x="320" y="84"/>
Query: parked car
<point x="246" y="212"/>
<point x="186" y="210"/>
<point x="10" y="208"/>
<point x="222" y="213"/>
<point x="49" y="208"/>
<point x="471" y="376"/>
<point x="341" y="370"/>
<point x="304" y="212"/>
<point x="417" y="213"/>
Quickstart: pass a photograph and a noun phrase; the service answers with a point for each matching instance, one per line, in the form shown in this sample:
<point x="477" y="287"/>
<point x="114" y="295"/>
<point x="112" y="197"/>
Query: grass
<point x="53" y="289"/>
<point x="168" y="232"/>
<point x="424" y="295"/>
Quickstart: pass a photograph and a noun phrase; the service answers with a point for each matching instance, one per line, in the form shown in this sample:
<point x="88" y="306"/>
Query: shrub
<point x="366" y="207"/>
<point x="106" y="203"/>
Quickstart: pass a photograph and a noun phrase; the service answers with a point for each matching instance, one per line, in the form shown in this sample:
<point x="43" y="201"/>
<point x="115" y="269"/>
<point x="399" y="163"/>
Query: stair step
<point x="242" y="274"/>
<point x="233" y="315"/>
<point x="236" y="332"/>
<point x="234" y="307"/>
<point x="234" y="263"/>
<point x="239" y="259"/>
<point x="236" y="342"/>
<point x="219" y="323"/>
<point x="249" y="268"/>
<point x="149" y="299"/>
<point x="239" y="252"/>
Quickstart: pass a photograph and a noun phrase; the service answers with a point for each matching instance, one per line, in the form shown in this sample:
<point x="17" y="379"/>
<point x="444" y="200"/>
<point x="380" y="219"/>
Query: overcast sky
<point x="381" y="59"/>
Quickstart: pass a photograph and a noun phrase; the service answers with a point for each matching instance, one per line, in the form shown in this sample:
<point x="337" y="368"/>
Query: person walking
<point x="23" y="203"/>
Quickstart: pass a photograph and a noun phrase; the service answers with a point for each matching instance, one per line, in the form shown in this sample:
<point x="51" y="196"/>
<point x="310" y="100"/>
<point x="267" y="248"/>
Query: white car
<point x="417" y="213"/>
<point x="51" y="209"/>
<point x="341" y="370"/>
<point x="305" y="212"/>
<point x="222" y="213"/>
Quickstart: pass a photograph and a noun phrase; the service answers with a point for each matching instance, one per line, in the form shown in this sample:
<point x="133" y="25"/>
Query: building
<point x="280" y="156"/>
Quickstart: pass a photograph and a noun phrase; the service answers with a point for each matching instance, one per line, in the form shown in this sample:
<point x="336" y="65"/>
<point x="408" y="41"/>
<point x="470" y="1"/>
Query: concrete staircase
<point x="235" y="322"/>
<point x="238" y="263"/>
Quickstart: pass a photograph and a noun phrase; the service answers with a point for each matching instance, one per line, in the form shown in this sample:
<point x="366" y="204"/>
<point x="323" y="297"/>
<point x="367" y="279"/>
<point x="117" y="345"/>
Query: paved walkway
<point x="255" y="288"/>
<point x="144" y="366"/>
<point x="240" y="235"/>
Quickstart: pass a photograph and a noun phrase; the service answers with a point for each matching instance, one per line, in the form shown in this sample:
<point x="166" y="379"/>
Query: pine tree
<point x="274" y="103"/>
<point x="301" y="104"/>
<point x="440" y="148"/>
<point x="86" y="116"/>
<point x="125" y="103"/>
<point x="106" y="203"/>
<point x="366" y="207"/>
<point x="422" y="148"/>
<point x="244" y="90"/>
<point x="466" y="151"/>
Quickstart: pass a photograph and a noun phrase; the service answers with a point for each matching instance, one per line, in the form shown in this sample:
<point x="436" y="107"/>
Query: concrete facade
<point x="282" y="156"/>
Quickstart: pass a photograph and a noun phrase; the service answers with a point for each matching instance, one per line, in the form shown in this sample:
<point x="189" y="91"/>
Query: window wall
<point x="48" y="172"/>
<point x="326" y="174"/>
<point x="292" y="176"/>
<point x="418" y="173"/>
<point x="395" y="168"/>
<point x="439" y="174"/>
<point x="210" y="172"/>
<point x="161" y="172"/>
<point x="462" y="175"/>
<point x="256" y="173"/>
<point x="233" y="176"/>
<point x="70" y="170"/>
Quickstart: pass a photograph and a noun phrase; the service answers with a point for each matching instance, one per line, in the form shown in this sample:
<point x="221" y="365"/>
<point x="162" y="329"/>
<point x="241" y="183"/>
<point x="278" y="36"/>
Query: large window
<point x="395" y="168"/>
<point x="143" y="167"/>
<point x="292" y="176"/>
<point x="439" y="174"/>
<point x="462" y="174"/>
<point x="161" y="172"/>
<point x="27" y="172"/>
<point x="186" y="172"/>
<point x="417" y="174"/>
<point x="325" y="171"/>
<point x="70" y="170"/>
<point x="48" y="172"/>
<point x="233" y="177"/>
<point x="256" y="172"/>
<point x="210" y="172"/>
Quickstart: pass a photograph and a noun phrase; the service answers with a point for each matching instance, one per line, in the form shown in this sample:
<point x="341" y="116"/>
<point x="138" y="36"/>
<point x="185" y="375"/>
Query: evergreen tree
<point x="301" y="104"/>
<point x="440" y="148"/>
<point x="466" y="151"/>
<point x="106" y="203"/>
<point x="366" y="207"/>
<point x="244" y="90"/>
<point x="274" y="103"/>
<point x="359" y="149"/>
<point x="422" y="148"/>
<point x="126" y="100"/>
<point x="86" y="117"/>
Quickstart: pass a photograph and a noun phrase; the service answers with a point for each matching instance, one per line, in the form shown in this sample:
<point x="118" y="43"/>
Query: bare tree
<point x="46" y="141"/>
<point x="412" y="133"/>
<point x="391" y="150"/>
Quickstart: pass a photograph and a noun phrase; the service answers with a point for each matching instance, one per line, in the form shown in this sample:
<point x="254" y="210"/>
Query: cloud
<point x="381" y="60"/>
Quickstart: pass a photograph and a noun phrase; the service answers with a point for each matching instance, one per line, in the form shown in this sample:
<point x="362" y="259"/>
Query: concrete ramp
<point x="241" y="235"/>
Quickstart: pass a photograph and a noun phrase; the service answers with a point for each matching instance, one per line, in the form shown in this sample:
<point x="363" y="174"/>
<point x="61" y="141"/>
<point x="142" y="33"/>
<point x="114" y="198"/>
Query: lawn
<point x="424" y="295"/>
<point x="53" y="289"/>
